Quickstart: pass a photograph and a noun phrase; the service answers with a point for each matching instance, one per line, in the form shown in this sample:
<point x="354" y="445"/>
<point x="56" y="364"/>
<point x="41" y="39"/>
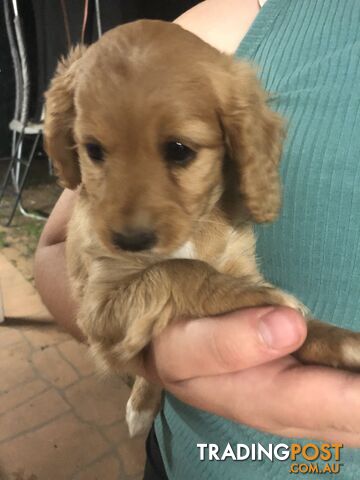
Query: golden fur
<point x="140" y="86"/>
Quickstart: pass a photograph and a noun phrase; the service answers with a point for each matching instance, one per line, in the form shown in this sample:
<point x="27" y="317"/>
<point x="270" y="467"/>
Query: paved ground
<point x="58" y="419"/>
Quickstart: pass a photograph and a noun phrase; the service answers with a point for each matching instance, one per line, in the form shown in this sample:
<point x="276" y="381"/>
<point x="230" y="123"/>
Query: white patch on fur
<point x="350" y="353"/>
<point x="186" y="251"/>
<point x="138" y="421"/>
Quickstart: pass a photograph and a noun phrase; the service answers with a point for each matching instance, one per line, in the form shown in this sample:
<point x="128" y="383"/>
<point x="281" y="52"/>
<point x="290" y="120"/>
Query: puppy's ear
<point x="59" y="119"/>
<point x="254" y="137"/>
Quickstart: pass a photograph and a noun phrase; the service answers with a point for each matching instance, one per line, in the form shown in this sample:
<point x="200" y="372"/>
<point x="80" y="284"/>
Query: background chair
<point x="21" y="127"/>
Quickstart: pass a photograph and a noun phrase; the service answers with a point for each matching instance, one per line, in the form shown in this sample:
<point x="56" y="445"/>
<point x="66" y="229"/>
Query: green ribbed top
<point x="308" y="54"/>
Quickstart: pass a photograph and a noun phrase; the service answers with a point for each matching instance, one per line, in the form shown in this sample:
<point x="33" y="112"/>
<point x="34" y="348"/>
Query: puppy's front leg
<point x="121" y="314"/>
<point x="142" y="406"/>
<point x="330" y="346"/>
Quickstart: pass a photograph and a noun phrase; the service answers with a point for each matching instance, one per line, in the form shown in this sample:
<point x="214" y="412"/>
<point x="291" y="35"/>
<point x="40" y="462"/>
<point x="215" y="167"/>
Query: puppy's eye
<point x="177" y="153"/>
<point x="95" y="151"/>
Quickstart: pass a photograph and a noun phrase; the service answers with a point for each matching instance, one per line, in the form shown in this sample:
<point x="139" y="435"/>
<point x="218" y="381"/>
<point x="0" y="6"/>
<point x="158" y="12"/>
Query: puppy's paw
<point x="330" y="346"/>
<point x="350" y="353"/>
<point x="138" y="421"/>
<point x="290" y="301"/>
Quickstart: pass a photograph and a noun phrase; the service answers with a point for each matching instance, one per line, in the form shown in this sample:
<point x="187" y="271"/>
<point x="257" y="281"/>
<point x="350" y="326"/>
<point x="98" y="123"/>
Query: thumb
<point x="224" y="344"/>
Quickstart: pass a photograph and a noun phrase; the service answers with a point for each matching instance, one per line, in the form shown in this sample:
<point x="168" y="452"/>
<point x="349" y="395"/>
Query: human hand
<point x="238" y="366"/>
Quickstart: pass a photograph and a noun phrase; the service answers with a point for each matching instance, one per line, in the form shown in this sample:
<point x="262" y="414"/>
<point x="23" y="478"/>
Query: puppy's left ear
<point x="59" y="120"/>
<point x="254" y="136"/>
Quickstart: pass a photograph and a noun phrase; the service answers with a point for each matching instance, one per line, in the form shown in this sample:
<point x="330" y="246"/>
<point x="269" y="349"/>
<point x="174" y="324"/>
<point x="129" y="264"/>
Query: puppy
<point x="176" y="155"/>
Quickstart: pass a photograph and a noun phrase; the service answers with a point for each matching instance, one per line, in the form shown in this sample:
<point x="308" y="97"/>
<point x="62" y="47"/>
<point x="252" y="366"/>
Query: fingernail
<point x="278" y="330"/>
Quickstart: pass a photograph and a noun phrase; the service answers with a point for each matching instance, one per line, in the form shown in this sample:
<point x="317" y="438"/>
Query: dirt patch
<point x="18" y="242"/>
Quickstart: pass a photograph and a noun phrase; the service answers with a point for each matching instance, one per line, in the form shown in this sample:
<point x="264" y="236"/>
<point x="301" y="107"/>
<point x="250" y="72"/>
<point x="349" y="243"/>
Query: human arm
<point x="50" y="272"/>
<point x="221" y="365"/>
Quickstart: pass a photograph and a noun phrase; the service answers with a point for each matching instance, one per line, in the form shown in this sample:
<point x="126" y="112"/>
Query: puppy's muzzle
<point x="134" y="241"/>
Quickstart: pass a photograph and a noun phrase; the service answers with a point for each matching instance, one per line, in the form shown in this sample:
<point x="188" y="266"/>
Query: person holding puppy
<point x="307" y="57"/>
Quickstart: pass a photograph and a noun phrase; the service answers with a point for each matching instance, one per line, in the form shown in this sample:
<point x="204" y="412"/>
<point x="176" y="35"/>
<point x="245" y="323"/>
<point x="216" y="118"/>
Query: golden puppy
<point x="176" y="153"/>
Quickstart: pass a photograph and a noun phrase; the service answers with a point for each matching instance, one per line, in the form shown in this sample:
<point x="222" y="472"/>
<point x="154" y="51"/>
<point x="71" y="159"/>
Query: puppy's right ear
<point x="59" y="120"/>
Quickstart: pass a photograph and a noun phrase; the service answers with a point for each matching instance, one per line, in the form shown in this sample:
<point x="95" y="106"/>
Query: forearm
<point x="50" y="271"/>
<point x="52" y="283"/>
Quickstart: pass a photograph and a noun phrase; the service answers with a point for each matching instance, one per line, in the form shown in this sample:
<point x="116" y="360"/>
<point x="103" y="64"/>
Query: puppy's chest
<point x="229" y="251"/>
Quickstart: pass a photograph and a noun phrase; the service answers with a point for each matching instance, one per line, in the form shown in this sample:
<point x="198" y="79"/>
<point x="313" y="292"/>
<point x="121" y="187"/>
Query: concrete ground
<point x="58" y="419"/>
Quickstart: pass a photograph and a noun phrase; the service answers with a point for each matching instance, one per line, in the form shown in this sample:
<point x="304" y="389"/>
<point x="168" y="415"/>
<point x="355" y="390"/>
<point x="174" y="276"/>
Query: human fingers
<point x="282" y="397"/>
<point x="224" y="344"/>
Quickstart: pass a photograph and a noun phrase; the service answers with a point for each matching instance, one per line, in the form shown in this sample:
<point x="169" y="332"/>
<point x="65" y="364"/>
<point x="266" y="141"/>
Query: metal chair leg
<point x="23" y="179"/>
<point x="13" y="160"/>
<point x="17" y="167"/>
<point x="7" y="177"/>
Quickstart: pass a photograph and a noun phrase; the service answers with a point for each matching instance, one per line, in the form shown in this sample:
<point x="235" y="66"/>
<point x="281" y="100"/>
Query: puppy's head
<point x="144" y="119"/>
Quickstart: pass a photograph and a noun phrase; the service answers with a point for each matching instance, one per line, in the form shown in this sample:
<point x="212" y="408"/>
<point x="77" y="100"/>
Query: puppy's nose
<point x="134" y="241"/>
